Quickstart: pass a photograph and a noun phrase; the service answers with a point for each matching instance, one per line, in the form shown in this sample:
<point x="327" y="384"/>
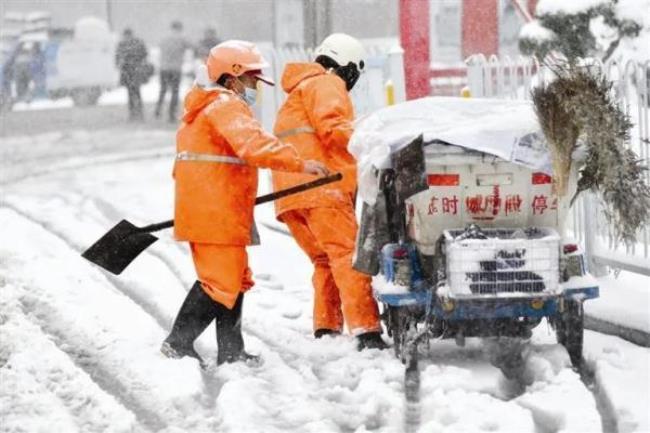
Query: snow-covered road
<point x="79" y="347"/>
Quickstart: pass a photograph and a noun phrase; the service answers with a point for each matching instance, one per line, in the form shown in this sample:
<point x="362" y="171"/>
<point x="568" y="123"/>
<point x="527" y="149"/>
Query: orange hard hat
<point x="236" y="58"/>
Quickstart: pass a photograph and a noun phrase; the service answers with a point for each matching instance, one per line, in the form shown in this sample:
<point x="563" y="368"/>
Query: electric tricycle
<point x="462" y="229"/>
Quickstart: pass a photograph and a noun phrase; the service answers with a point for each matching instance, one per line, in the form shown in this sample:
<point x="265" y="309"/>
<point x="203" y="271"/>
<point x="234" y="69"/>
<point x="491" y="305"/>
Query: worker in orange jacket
<point x="316" y="119"/>
<point x="220" y="145"/>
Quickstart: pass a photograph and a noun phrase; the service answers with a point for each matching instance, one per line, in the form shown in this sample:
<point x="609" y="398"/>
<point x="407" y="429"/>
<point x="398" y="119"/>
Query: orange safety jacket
<point x="219" y="146"/>
<point x="316" y="119"/>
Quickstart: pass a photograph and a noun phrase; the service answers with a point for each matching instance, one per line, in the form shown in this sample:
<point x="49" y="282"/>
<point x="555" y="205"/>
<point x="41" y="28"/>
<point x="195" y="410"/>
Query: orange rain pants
<point x="222" y="270"/>
<point x="327" y="236"/>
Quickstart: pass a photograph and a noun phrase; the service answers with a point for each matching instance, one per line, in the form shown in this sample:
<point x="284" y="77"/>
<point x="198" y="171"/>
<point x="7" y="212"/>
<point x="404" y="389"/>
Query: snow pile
<point x="614" y="306"/>
<point x="534" y="30"/>
<point x="550" y="383"/>
<point x="634" y="10"/>
<point x="454" y="406"/>
<point x="547" y="400"/>
<point x="486" y="125"/>
<point x="622" y="375"/>
<point x="383" y="287"/>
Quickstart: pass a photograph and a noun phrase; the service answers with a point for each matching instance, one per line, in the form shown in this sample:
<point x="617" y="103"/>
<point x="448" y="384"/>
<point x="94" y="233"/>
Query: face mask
<point x="250" y="96"/>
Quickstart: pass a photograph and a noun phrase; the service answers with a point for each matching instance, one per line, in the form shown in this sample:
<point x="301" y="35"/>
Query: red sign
<point x="443" y="179"/>
<point x="541" y="179"/>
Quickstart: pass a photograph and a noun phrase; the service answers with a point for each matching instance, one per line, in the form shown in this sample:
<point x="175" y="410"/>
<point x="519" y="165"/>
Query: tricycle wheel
<point x="569" y="329"/>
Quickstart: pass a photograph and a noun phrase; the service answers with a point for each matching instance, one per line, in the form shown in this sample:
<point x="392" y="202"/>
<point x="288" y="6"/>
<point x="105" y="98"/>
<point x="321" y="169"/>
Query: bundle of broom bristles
<point x="578" y="107"/>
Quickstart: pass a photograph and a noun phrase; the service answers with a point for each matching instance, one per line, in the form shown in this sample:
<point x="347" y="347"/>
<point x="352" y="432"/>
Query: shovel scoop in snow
<point x="123" y="243"/>
<point x="120" y="246"/>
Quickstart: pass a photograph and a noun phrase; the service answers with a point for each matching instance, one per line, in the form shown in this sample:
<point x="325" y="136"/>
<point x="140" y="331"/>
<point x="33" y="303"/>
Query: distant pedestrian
<point x="172" y="52"/>
<point x="131" y="60"/>
<point x="7" y="72"/>
<point x="38" y="72"/>
<point x="22" y="71"/>
<point x="206" y="43"/>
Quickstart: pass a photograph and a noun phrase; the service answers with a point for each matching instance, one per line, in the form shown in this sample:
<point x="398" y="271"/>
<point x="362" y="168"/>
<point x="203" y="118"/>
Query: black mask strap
<point x="349" y="73"/>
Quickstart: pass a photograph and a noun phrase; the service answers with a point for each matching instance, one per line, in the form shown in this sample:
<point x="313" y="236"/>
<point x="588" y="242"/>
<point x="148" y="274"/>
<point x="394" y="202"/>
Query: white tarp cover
<point x="504" y="128"/>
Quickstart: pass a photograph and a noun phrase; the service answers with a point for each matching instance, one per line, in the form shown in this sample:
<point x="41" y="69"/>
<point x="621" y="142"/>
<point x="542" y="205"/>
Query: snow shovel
<point x="123" y="243"/>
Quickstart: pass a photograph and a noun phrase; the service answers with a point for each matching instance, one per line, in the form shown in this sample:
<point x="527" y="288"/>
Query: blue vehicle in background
<point x="55" y="63"/>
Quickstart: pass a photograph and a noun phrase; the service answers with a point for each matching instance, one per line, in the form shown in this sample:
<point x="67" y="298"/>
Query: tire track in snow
<point x="145" y="421"/>
<point x="81" y="358"/>
<point x="603" y="404"/>
<point x="151" y="308"/>
<point x="103" y="377"/>
<point x="101" y="371"/>
<point x="62" y="151"/>
<point x="146" y="304"/>
<point x="587" y="376"/>
<point x="586" y="380"/>
<point x="106" y="160"/>
<point x="112" y="213"/>
<point x="103" y="205"/>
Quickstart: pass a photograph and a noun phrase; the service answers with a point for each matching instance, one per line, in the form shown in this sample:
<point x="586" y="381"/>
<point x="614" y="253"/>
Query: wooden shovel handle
<point x="261" y="199"/>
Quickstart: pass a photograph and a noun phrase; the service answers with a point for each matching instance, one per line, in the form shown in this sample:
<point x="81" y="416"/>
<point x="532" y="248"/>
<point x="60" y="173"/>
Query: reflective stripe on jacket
<point x="214" y="200"/>
<point x="316" y="119"/>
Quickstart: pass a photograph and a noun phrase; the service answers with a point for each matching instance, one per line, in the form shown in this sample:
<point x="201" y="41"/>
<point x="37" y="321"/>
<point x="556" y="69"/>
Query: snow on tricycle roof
<point x="507" y="129"/>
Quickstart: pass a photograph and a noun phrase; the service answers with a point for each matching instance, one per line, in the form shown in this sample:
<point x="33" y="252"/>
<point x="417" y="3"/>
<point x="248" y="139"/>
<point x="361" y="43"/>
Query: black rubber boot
<point x="196" y="314"/>
<point x="371" y="340"/>
<point x="320" y="333"/>
<point x="229" y="338"/>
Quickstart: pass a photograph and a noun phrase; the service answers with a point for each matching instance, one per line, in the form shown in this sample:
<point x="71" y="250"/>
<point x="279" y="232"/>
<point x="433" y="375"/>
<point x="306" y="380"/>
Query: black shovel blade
<point x="119" y="247"/>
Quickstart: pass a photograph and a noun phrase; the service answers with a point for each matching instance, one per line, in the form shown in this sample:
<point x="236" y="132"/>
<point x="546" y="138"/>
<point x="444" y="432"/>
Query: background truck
<point x="55" y="63"/>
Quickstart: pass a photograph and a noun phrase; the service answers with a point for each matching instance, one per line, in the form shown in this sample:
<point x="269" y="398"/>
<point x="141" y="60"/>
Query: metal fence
<point x="505" y="77"/>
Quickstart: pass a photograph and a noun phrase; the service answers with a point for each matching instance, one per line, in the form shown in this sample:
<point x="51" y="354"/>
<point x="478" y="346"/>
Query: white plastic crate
<point x="508" y="261"/>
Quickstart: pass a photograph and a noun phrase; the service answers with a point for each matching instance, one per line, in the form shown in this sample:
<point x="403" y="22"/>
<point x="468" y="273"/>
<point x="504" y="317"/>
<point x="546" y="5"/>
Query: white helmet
<point x="344" y="54"/>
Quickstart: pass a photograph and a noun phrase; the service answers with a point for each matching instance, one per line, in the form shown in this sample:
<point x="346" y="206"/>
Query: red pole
<point x="414" y="37"/>
<point x="480" y="27"/>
